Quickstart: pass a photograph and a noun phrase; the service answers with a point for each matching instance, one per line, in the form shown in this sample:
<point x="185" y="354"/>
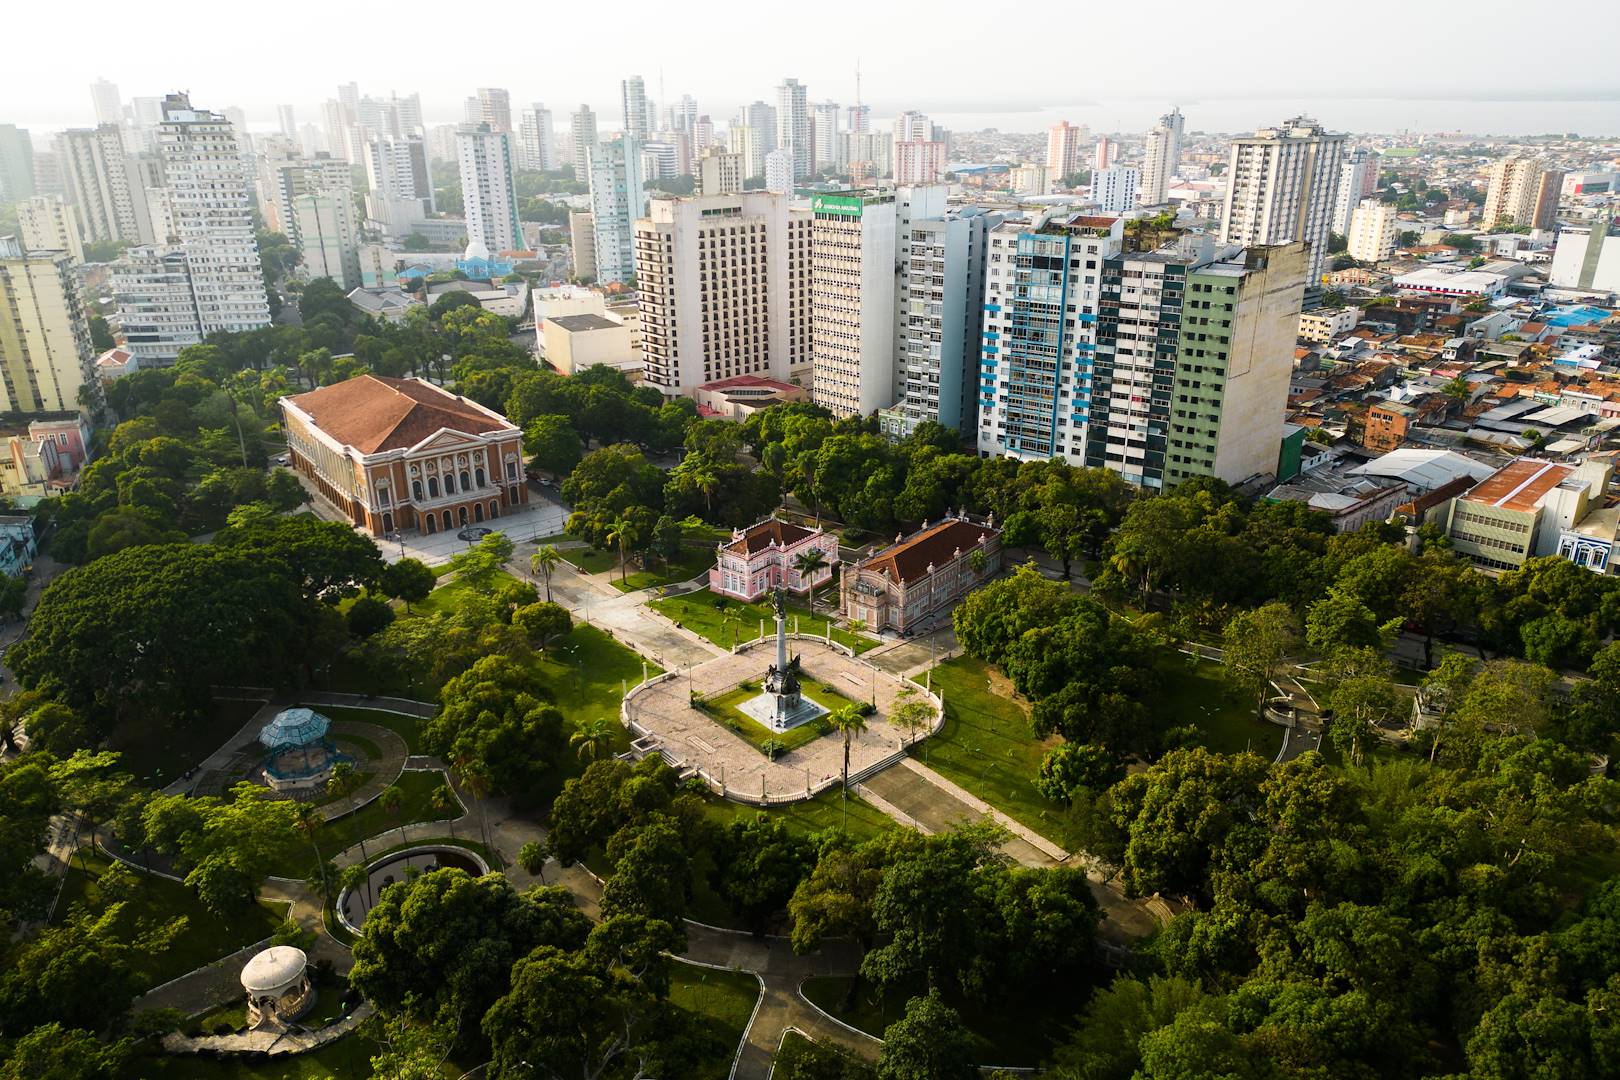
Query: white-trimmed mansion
<point x="400" y="454"/>
<point x="762" y="556"/>
<point x="912" y="584"/>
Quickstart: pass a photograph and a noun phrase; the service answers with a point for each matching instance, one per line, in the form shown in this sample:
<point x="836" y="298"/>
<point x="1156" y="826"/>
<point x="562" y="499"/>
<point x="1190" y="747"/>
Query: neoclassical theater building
<point x="403" y="454"/>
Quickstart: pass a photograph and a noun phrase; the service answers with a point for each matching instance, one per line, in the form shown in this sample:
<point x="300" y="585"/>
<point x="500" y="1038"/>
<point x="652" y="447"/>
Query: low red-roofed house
<point x="397" y="454"/>
<point x="917" y="581"/>
<point x="759" y="558"/>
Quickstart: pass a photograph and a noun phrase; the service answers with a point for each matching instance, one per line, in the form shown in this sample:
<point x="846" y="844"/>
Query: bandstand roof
<point x="294" y="727"/>
<point x="274" y="969"/>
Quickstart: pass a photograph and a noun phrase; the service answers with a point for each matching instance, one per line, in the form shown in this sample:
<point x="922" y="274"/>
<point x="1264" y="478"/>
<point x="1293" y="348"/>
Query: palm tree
<point x="543" y="562"/>
<point x="345" y="781"/>
<point x="809" y="563"/>
<point x="849" y="721"/>
<point x="532" y="857"/>
<point x="476" y="781"/>
<point x="591" y="738"/>
<point x="619" y="533"/>
<point x="355" y="876"/>
<point x="308" y="824"/>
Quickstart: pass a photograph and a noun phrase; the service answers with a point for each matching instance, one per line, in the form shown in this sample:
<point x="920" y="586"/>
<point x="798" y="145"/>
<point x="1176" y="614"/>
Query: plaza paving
<point x="664" y="711"/>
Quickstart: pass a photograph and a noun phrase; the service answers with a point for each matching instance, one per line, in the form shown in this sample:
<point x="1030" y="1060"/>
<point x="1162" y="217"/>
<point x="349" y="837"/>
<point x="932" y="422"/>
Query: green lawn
<point x="987" y="747"/>
<point x="1012" y="1035"/>
<point x="692" y="562"/>
<point x="590" y="560"/>
<point x="206" y="937"/>
<point x="697" y="612"/>
<point x="155" y="752"/>
<point x="403" y="726"/>
<point x="720" y="1002"/>
<point x="726" y="709"/>
<point x="825" y="811"/>
<point x="446" y="597"/>
<point x="1202" y="696"/>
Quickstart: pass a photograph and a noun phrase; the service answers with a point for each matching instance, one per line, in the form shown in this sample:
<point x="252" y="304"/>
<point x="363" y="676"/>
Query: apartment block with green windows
<point x="1233" y="360"/>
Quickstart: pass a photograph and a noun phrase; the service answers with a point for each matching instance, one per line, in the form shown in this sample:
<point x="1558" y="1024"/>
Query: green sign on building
<point x="845" y="205"/>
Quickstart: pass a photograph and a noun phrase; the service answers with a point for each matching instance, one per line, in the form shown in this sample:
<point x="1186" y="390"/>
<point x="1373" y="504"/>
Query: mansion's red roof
<point x="761" y="536"/>
<point x="910" y="559"/>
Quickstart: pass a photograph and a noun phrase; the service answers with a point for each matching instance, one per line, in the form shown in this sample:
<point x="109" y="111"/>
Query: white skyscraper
<point x="1280" y="187"/>
<point x="852" y="279"/>
<point x="327" y="238"/>
<point x="824" y="123"/>
<point x="488" y="190"/>
<point x="793" y="130"/>
<point x="157" y="310"/>
<point x="495" y="109"/>
<point x="686" y="114"/>
<point x="636" y="112"/>
<point x="1114" y="188"/>
<point x="749" y="144"/>
<point x="911" y="125"/>
<point x="213" y="216"/>
<point x="582" y="136"/>
<point x="48" y="223"/>
<point x="287" y="117"/>
<point x="1372" y="231"/>
<point x="104" y="185"/>
<point x="108" y="105"/>
<point x="1358" y="178"/>
<point x="722" y="283"/>
<point x="1163" y="157"/>
<point x="535" y="139"/>
<point x="779" y="172"/>
<point x="858" y="118"/>
<point x="618" y="201"/>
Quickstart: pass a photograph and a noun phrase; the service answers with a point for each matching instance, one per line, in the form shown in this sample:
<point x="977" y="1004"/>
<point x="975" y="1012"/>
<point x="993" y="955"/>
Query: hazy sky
<point x="1374" y="65"/>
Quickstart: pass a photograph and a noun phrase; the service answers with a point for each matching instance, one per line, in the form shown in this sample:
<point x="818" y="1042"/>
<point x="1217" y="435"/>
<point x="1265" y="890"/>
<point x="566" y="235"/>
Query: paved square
<point x="664" y="711"/>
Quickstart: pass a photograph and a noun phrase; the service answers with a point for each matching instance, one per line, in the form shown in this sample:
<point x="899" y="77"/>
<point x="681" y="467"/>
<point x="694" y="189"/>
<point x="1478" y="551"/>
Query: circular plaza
<point x="698" y="719"/>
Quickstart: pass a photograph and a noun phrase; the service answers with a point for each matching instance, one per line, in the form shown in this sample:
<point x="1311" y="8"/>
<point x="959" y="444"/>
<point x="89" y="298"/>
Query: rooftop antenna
<point x="857" y="80"/>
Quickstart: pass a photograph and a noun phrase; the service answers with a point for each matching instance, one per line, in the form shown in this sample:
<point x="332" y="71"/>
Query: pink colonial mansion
<point x="762" y="556"/>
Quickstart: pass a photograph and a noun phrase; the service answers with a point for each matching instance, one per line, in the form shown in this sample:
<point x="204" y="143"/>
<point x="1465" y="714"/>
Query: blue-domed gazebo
<point x="300" y="755"/>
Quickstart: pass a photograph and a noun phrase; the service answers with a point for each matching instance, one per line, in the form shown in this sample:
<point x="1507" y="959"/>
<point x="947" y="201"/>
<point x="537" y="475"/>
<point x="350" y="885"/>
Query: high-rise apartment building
<point x="108" y="104"/>
<point x="1162" y="158"/>
<point x="762" y="118"/>
<point x="852" y="275"/>
<point x="779" y="172"/>
<point x="1103" y="154"/>
<point x="327" y="238"/>
<point x="1358" y="178"/>
<point x="636" y="112"/>
<point x="869" y="155"/>
<point x="858" y="118"/>
<point x="495" y="109"/>
<point x="535" y="140"/>
<point x="16" y="163"/>
<point x="720" y="172"/>
<point x="1042" y="282"/>
<point x="582" y="244"/>
<point x="48" y="223"/>
<point x="618" y="201"/>
<point x="918" y="161"/>
<point x="45" y="350"/>
<point x="105" y="185"/>
<point x="285" y="176"/>
<point x="939" y="301"/>
<point x="1372" y="231"/>
<point x="1280" y="187"/>
<point x="1114" y="188"/>
<point x="793" y="130"/>
<point x="1234" y="361"/>
<point x="157" y="309"/>
<point x="582" y="136"/>
<point x="722" y="286"/>
<point x="910" y="125"/>
<point x="824" y="130"/>
<point x="686" y="114"/>
<point x="702" y="134"/>
<point x="287" y="120"/>
<point x="213" y="216"/>
<point x="748" y="143"/>
<point x="1522" y="191"/>
<point x="1064" y="156"/>
<point x="488" y="190"/>
<point x="1158" y="365"/>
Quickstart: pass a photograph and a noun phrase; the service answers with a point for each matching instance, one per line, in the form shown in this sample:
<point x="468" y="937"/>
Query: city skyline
<point x="1219" y="75"/>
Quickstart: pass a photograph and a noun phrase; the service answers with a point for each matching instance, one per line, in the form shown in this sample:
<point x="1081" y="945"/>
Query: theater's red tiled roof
<point x="372" y="413"/>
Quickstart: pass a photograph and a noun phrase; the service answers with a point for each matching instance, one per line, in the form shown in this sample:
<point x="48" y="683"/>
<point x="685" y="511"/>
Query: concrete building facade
<point x="49" y="223"/>
<point x="618" y="201"/>
<point x="104" y="185"/>
<point x="488" y="189"/>
<point x="1162" y="157"/>
<point x="1373" y="231"/>
<point x="1114" y="189"/>
<point x="45" y="353"/>
<point x="1522" y="191"/>
<point x="794" y="133"/>
<point x="852" y="279"/>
